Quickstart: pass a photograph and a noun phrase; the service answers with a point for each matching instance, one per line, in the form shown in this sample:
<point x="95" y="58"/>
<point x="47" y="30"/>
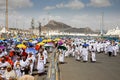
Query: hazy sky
<point x="76" y="13"/>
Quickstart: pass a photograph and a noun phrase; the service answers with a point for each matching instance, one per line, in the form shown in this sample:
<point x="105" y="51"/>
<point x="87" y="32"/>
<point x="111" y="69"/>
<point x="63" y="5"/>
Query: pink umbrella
<point x="2" y="47"/>
<point x="60" y="42"/>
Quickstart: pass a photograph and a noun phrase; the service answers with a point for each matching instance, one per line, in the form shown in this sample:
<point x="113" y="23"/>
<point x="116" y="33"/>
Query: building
<point x="114" y="32"/>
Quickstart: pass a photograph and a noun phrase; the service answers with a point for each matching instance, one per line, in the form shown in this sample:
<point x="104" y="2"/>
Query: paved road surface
<point x="42" y="76"/>
<point x="106" y="68"/>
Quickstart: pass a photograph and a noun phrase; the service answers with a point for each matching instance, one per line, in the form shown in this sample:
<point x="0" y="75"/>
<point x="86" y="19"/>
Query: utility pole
<point x="102" y="23"/>
<point x="39" y="29"/>
<point x="6" y="15"/>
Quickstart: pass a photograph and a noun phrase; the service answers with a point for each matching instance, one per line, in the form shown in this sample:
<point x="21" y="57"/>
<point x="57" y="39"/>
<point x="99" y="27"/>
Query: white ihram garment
<point x="2" y="65"/>
<point x="61" y="57"/>
<point x="114" y="50"/>
<point x="77" y="54"/>
<point x="93" y="55"/>
<point x="85" y="54"/>
<point x="17" y="69"/>
<point x="98" y="47"/>
<point x="45" y="54"/>
<point x="31" y="63"/>
<point x="40" y="64"/>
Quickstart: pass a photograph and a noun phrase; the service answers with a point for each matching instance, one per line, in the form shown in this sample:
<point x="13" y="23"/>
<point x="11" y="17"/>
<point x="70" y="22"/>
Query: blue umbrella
<point x="85" y="45"/>
<point x="31" y="50"/>
<point x="1" y="41"/>
<point x="30" y="44"/>
<point x="40" y="40"/>
<point x="26" y="39"/>
<point x="17" y="42"/>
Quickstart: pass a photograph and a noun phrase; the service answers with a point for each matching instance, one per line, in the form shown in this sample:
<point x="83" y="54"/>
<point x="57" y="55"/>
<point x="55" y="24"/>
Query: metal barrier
<point x="53" y="71"/>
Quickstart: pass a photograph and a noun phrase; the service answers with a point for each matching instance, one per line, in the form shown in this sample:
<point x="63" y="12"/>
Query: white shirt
<point x="24" y="63"/>
<point x="4" y="64"/>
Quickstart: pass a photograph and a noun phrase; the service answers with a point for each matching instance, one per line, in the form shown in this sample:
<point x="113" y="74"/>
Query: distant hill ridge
<point x="54" y="25"/>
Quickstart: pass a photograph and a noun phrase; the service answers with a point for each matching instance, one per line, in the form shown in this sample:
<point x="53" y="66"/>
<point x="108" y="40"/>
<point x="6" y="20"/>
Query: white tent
<point x="3" y="30"/>
<point x="114" y="32"/>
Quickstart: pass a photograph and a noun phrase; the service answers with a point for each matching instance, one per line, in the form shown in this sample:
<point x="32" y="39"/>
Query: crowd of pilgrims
<point x="86" y="50"/>
<point x="16" y="62"/>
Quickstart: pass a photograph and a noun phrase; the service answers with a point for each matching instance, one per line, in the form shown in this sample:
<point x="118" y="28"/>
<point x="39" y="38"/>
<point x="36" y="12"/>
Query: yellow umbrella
<point x="49" y="40"/>
<point x="24" y="41"/>
<point x="57" y="39"/>
<point x="15" y="37"/>
<point x="2" y="39"/>
<point x="41" y="44"/>
<point x="21" y="46"/>
<point x="44" y="41"/>
<point x="30" y="40"/>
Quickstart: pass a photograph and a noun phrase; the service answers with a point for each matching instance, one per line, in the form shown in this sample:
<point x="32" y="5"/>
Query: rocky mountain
<point x="57" y="25"/>
<point x="54" y="25"/>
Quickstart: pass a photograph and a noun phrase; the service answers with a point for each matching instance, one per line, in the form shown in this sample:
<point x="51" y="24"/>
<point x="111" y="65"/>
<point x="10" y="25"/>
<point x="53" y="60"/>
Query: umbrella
<point x="1" y="41"/>
<point x="31" y="50"/>
<point x="62" y="47"/>
<point x="85" y="45"/>
<point x="60" y="42"/>
<point x="2" y="47"/>
<point x="44" y="41"/>
<point x="17" y="42"/>
<point x="40" y="40"/>
<point x="30" y="44"/>
<point x="2" y="38"/>
<point x="41" y="44"/>
<point x="57" y="39"/>
<point x="21" y="46"/>
<point x="34" y="42"/>
<point x="49" y="40"/>
<point x="49" y="45"/>
<point x="24" y="41"/>
<point x="37" y="47"/>
<point x="30" y="40"/>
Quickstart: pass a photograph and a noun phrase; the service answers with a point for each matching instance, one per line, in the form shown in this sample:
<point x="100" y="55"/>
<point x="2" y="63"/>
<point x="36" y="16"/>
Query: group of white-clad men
<point x="83" y="51"/>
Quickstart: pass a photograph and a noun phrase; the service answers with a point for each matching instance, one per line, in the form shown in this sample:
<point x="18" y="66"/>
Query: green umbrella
<point x="62" y="47"/>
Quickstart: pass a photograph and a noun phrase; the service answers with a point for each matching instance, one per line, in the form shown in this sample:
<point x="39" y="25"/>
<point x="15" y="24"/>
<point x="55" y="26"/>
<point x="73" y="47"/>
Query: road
<point x="106" y="68"/>
<point x="42" y="76"/>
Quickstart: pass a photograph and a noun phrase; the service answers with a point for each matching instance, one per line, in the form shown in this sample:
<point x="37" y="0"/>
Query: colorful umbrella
<point x="85" y="45"/>
<point x="21" y="46"/>
<point x="1" y="41"/>
<point x="44" y="41"/>
<point x="49" y="45"/>
<point x="62" y="47"/>
<point x="31" y="50"/>
<point x="40" y="40"/>
<point x="41" y="44"/>
<point x="34" y="42"/>
<point x="57" y="39"/>
<point x="2" y="47"/>
<point x="30" y="40"/>
<point x="30" y="44"/>
<point x="60" y="42"/>
<point x="49" y="40"/>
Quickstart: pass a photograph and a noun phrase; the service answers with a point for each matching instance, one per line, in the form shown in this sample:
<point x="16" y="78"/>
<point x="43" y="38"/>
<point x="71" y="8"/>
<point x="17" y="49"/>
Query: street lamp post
<point x="7" y="15"/>
<point x="39" y="29"/>
<point x="102" y="24"/>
